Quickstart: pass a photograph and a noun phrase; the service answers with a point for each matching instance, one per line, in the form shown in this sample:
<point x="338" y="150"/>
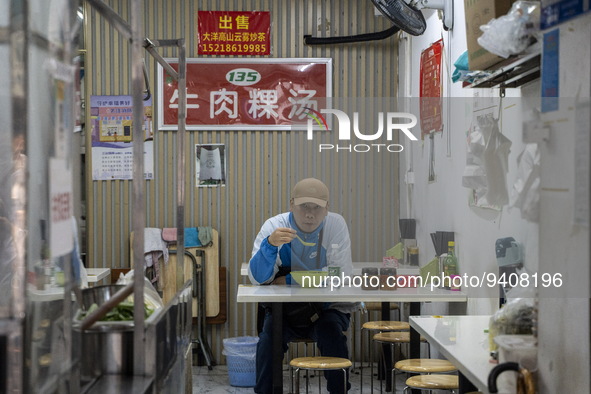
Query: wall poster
<point x="430" y="90"/>
<point x="550" y="71"/>
<point x="210" y="165"/>
<point x="245" y="94"/>
<point x="111" y="127"/>
<point x="61" y="206"/>
<point x="233" y="33"/>
<point x="555" y="12"/>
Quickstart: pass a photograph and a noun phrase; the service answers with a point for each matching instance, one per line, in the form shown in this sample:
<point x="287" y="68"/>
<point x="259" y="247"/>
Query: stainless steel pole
<point x="139" y="219"/>
<point x="180" y="175"/>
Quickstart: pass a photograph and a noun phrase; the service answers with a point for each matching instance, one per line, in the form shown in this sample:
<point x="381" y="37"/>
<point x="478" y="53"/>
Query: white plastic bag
<point x="525" y="194"/>
<point x="151" y="297"/>
<point x="487" y="162"/>
<point x="511" y="34"/>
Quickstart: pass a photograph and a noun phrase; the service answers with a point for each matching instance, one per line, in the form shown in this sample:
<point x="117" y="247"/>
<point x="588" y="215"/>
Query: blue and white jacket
<point x="301" y="253"/>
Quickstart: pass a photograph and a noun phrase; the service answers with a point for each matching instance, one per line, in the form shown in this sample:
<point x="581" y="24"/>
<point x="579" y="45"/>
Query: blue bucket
<point x="240" y="354"/>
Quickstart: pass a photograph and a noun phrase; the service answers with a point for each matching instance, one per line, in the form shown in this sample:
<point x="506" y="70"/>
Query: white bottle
<point x="331" y="260"/>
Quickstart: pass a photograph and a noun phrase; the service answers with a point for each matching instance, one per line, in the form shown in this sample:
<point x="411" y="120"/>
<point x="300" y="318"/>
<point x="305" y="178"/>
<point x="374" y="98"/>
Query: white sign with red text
<point x="61" y="238"/>
<point x="245" y="94"/>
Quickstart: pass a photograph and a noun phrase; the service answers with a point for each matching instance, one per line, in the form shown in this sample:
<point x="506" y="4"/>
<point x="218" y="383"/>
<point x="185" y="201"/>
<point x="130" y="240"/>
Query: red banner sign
<point x="430" y="89"/>
<point x="251" y="94"/>
<point x="233" y="33"/>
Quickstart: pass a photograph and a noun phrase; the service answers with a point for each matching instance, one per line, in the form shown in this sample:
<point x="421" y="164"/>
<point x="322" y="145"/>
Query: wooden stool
<point x="393" y="338"/>
<point x="319" y="364"/>
<point x="379" y="325"/>
<point x="432" y="382"/>
<point x="377" y="306"/>
<point x="291" y="354"/>
<point x="424" y="365"/>
<point x="386" y="325"/>
<point x="369" y="307"/>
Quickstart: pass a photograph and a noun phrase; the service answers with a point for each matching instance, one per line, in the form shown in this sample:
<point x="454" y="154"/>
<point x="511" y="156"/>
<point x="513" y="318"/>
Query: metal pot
<point x="106" y="347"/>
<point x="107" y="350"/>
<point x="98" y="294"/>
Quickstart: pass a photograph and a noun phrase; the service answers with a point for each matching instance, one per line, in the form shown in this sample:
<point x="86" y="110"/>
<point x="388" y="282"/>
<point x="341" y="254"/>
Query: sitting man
<point x="306" y="238"/>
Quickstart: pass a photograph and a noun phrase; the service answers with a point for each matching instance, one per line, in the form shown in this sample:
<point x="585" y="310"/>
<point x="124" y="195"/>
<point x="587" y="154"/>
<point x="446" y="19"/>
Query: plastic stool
<point x="319" y="364"/>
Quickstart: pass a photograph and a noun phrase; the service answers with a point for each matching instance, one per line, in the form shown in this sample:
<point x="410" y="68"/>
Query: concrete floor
<point x="216" y="381"/>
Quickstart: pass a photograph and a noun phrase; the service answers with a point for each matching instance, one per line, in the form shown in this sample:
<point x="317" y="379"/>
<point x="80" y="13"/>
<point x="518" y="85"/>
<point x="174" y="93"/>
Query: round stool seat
<point x="424" y="365"/>
<point x="377" y="306"/>
<point x="433" y="382"/>
<point x="320" y="363"/>
<point x="394" y="337"/>
<point x="386" y="325"/>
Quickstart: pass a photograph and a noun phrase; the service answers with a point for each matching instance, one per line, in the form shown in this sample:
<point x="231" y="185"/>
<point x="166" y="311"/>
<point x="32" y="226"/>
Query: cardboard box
<point x="478" y="13"/>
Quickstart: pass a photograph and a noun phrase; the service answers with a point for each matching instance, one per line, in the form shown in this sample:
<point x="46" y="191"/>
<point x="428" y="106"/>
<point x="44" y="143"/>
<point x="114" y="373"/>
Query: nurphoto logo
<point x="401" y="121"/>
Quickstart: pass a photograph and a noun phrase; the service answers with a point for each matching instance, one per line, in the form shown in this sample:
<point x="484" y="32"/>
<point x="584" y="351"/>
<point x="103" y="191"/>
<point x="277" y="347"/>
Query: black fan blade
<point x="403" y="15"/>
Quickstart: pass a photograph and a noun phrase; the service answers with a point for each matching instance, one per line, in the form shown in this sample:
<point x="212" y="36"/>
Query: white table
<point x="97" y="274"/>
<point x="50" y="294"/>
<point x="469" y="352"/>
<point x="276" y="295"/>
<point x="357" y="267"/>
<point x="57" y="292"/>
<point x="253" y="293"/>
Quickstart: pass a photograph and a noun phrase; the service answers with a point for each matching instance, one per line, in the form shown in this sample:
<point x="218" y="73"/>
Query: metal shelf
<point x="512" y="73"/>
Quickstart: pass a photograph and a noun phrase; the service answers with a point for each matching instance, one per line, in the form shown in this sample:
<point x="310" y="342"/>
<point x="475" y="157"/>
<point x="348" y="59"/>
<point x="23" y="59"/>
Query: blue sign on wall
<point x="555" y="12"/>
<point x="550" y="71"/>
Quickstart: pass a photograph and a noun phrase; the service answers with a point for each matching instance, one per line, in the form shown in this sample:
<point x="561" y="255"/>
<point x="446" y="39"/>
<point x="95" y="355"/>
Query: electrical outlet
<point x="535" y="131"/>
<point x="409" y="178"/>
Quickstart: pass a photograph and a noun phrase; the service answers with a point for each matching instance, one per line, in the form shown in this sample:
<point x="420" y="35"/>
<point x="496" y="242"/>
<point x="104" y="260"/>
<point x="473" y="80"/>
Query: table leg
<point x="385" y="311"/>
<point x="466" y="386"/>
<point x="415" y="338"/>
<point x="383" y="368"/>
<point x="277" y="311"/>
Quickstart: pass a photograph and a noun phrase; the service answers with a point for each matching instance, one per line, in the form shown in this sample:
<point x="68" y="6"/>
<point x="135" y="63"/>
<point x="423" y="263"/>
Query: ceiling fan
<point x="406" y="16"/>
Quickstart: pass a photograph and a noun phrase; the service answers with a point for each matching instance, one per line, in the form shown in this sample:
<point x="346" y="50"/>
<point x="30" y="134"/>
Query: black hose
<point x="496" y="371"/>
<point x="147" y="84"/>
<point x="380" y="35"/>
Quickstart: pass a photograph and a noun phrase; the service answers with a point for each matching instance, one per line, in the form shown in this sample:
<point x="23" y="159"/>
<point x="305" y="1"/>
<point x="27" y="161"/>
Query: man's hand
<point x="282" y="235"/>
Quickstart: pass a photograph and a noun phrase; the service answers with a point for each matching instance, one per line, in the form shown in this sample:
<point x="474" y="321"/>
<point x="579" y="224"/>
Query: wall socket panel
<point x="534" y="131"/>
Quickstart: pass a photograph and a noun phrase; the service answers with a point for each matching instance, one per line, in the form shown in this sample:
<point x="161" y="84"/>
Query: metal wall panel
<point x="261" y="166"/>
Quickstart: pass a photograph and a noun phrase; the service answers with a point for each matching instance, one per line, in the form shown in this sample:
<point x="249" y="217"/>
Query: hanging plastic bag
<point x="496" y="155"/>
<point x="511" y="34"/>
<point x="487" y="162"/>
<point x="474" y="176"/>
<point x="525" y="194"/>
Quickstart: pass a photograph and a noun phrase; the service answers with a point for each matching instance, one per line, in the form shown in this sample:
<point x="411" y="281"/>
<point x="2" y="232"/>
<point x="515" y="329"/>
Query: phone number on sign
<point x="491" y="279"/>
<point x="231" y="48"/>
